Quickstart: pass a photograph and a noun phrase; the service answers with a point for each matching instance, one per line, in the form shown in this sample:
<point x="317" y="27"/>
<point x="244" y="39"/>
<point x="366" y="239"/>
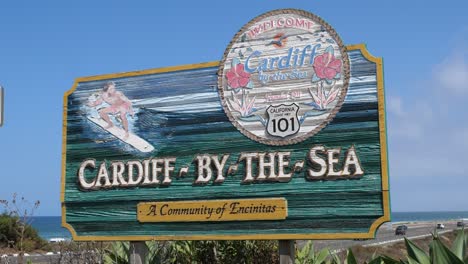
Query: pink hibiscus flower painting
<point x="237" y="77"/>
<point x="326" y="66"/>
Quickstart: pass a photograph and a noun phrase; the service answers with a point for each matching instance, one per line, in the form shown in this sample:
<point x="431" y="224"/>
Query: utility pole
<point x="2" y="94"/>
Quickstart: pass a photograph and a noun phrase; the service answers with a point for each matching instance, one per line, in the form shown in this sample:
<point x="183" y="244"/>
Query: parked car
<point x="440" y="226"/>
<point x="401" y="230"/>
<point x="460" y="224"/>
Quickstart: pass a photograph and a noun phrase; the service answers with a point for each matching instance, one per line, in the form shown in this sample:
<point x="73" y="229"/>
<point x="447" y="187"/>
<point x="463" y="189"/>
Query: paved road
<point x="386" y="234"/>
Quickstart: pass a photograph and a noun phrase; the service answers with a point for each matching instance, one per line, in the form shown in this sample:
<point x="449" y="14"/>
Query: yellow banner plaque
<point x="213" y="210"/>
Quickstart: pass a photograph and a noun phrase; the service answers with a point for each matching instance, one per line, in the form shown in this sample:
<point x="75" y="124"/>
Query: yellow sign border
<point x="383" y="156"/>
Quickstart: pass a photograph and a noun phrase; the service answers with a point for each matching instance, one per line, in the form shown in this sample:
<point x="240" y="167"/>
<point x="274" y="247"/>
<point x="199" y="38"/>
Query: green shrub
<point x="308" y="255"/>
<point x="29" y="245"/>
<point x="7" y="230"/>
<point x="249" y="251"/>
<point x="10" y="234"/>
<point x="189" y="252"/>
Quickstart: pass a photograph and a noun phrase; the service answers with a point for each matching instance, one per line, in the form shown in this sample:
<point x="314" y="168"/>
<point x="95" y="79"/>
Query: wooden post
<point x="286" y="251"/>
<point x="138" y="252"/>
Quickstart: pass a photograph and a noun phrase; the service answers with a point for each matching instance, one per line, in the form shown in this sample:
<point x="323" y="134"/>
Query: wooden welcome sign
<point x="283" y="139"/>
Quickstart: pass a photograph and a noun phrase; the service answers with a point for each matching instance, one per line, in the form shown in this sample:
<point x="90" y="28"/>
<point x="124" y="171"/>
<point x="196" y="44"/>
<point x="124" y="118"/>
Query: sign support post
<point x="138" y="252"/>
<point x="286" y="251"/>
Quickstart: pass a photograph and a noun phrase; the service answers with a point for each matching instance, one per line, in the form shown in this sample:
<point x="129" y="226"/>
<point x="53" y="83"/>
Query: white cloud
<point x="426" y="160"/>
<point x="452" y="74"/>
<point x="395" y="105"/>
<point x="408" y="122"/>
<point x="460" y="136"/>
<point x="406" y="129"/>
<point x="428" y="136"/>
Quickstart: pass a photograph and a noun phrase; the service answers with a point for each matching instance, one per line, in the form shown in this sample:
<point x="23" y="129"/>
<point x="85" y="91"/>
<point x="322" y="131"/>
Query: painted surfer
<point x="118" y="104"/>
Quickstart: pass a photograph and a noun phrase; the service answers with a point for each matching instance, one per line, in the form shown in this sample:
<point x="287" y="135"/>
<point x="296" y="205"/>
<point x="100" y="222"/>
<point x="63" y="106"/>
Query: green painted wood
<point x="314" y="207"/>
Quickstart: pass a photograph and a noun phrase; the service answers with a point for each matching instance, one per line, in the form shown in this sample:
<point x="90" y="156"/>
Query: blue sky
<point x="45" y="45"/>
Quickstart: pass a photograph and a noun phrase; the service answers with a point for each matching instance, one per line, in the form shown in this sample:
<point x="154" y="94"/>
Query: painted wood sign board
<point x="285" y="138"/>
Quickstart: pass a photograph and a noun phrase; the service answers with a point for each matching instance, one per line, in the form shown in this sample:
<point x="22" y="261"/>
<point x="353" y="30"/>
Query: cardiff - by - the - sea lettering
<point x="322" y="164"/>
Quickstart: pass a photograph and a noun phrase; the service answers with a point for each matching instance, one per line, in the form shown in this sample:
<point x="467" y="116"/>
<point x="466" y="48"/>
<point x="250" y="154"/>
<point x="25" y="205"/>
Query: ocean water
<point x="50" y="226"/>
<point x="428" y="216"/>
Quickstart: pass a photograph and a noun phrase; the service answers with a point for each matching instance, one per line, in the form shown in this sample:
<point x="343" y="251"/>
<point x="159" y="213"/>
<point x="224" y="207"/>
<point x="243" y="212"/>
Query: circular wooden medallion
<point x="283" y="77"/>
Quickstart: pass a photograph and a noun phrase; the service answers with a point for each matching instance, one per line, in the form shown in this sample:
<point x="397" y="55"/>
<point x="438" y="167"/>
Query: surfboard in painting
<point x="132" y="139"/>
